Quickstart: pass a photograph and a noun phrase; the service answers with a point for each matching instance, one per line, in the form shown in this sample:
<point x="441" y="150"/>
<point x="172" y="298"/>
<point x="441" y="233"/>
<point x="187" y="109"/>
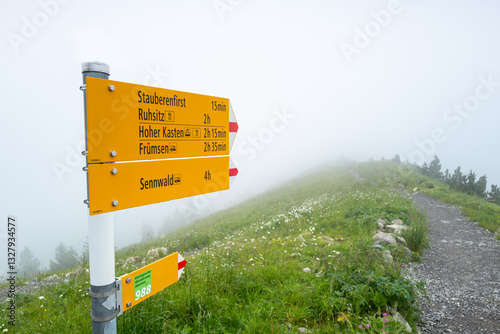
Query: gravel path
<point x="461" y="270"/>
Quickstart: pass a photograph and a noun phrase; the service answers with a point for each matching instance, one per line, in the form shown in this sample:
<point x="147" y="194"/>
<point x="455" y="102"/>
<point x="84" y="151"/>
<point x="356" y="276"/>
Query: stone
<point x="394" y="228"/>
<point x="381" y="236"/>
<point x="377" y="247"/>
<point x="50" y="279"/>
<point x="386" y="255"/>
<point x="381" y="223"/>
<point x="34" y="281"/>
<point x="397" y="222"/>
<point x="415" y="189"/>
<point x="399" y="318"/>
<point x="408" y="252"/>
<point x="401" y="240"/>
<point x="302" y="330"/>
<point x="306" y="270"/>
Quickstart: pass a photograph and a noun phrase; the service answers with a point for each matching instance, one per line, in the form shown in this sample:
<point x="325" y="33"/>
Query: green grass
<point x="244" y="270"/>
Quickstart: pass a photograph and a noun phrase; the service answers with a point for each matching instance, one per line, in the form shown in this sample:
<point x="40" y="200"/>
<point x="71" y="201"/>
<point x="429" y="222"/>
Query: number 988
<point x="143" y="292"/>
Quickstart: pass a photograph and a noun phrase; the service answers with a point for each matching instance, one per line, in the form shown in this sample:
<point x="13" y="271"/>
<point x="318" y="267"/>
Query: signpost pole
<point x="101" y="242"/>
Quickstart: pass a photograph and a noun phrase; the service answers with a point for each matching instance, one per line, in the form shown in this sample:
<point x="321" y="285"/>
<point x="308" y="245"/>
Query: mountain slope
<point x="296" y="258"/>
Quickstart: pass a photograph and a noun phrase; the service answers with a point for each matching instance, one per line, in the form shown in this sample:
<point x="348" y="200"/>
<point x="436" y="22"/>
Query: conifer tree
<point x="29" y="265"/>
<point x="495" y="194"/>
<point x="480" y="187"/>
<point x="471" y="181"/>
<point x="434" y="169"/>
<point x="64" y="258"/>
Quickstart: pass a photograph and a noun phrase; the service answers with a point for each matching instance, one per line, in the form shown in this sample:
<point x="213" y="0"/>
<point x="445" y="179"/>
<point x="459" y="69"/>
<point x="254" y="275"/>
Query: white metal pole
<point x="101" y="242"/>
<point x="101" y="249"/>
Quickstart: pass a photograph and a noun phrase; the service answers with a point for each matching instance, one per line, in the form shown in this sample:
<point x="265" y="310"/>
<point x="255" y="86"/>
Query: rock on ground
<point x="381" y="236"/>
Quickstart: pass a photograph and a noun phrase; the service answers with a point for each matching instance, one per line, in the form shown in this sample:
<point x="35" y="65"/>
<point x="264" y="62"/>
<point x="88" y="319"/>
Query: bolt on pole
<point x="101" y="240"/>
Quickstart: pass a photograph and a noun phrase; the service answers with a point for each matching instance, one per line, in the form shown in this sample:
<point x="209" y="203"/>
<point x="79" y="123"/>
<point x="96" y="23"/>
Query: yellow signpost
<point x="125" y="185"/>
<point x="145" y="145"/>
<point x="129" y="122"/>
<point x="151" y="279"/>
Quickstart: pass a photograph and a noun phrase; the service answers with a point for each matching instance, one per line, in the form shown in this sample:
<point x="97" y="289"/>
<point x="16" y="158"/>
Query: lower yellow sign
<point x="117" y="186"/>
<point x="151" y="279"/>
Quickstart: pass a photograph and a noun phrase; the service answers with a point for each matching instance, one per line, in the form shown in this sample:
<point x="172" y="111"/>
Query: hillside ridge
<point x="246" y="266"/>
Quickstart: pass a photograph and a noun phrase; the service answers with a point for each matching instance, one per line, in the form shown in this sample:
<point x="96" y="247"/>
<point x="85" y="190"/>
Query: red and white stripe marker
<point x="181" y="263"/>
<point x="233" y="129"/>
<point x="233" y="126"/>
<point x="233" y="171"/>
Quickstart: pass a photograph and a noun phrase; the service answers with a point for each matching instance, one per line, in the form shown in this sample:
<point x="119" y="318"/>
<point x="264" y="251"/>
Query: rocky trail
<point x="461" y="270"/>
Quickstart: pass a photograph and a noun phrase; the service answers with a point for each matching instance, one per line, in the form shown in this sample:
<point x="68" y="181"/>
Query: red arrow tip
<point x="233" y="127"/>
<point x="233" y="172"/>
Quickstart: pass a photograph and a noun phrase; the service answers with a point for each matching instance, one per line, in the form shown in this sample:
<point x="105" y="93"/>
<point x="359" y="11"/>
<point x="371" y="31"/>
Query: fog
<point x="309" y="82"/>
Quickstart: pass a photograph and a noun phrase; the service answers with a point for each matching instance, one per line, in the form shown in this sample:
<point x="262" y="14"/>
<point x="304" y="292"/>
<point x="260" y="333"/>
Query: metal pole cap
<point x="95" y="66"/>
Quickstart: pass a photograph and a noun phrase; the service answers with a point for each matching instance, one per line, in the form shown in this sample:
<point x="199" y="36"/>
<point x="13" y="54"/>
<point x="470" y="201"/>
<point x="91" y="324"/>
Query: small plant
<point x="428" y="185"/>
<point x="380" y="324"/>
<point x="416" y="233"/>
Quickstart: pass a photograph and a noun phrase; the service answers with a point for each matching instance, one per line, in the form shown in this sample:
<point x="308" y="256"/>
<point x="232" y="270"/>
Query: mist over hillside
<point x="312" y="85"/>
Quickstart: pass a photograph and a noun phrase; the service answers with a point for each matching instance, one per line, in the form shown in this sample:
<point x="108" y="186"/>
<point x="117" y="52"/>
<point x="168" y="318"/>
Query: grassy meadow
<point x="294" y="259"/>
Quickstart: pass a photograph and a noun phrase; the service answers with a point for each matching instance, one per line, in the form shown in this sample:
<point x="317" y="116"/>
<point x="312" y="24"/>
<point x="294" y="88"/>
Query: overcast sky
<point x="309" y="81"/>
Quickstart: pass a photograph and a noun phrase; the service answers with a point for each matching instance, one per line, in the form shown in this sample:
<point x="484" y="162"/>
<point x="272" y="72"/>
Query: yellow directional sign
<point x="151" y="279"/>
<point x="125" y="185"/>
<point x="129" y="122"/>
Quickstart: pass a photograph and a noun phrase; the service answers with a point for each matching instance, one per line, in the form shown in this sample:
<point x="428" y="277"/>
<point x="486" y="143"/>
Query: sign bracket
<point x="119" y="299"/>
<point x="117" y="292"/>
